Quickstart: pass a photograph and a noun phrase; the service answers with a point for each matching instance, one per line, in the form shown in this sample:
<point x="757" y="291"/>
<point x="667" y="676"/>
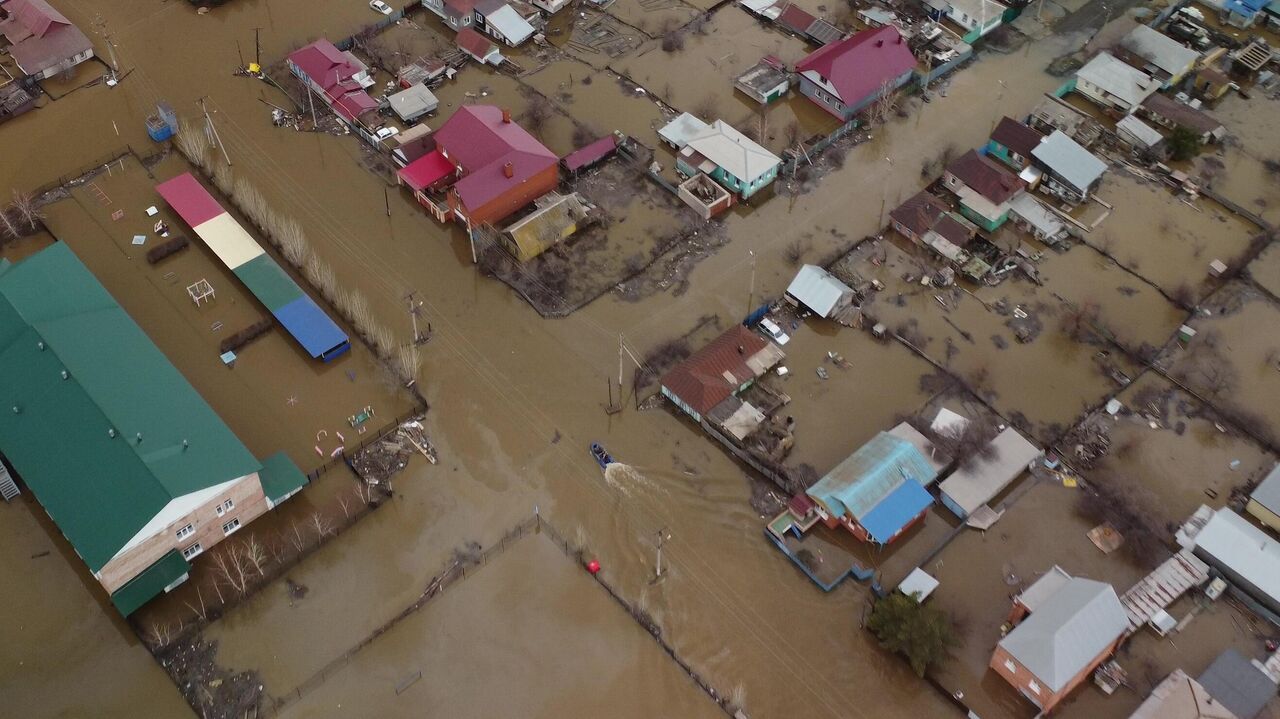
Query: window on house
<point x="225" y="507"/>
<point x="193" y="551"/>
<point x="1035" y="688"/>
<point x="231" y="526"/>
<point x="1013" y="668"/>
<point x="186" y="531"/>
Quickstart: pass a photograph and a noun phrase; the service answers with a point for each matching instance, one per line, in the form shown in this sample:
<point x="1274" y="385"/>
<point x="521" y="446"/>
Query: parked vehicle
<point x="379" y="6"/>
<point x="771" y="330"/>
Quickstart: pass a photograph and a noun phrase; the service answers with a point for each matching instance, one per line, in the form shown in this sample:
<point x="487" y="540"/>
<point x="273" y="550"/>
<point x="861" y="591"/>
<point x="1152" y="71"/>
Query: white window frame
<point x="1035" y="688"/>
<point x="186" y="531"/>
<point x="233" y="523"/>
<point x="225" y="507"/>
<point x="1013" y="668"/>
<point x="198" y="551"/>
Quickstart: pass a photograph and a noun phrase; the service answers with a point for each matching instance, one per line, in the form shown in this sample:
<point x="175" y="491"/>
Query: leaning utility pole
<point x="415" y="308"/>
<point x="662" y="536"/>
<point x="751" y="294"/>
<point x="257" y="49"/>
<point x="213" y="131"/>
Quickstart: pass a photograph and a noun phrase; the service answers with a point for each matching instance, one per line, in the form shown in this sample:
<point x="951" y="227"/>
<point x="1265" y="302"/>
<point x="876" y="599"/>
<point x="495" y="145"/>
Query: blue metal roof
<point x="312" y="328"/>
<point x="1245" y="7"/>
<point x="858" y="484"/>
<point x="896" y="510"/>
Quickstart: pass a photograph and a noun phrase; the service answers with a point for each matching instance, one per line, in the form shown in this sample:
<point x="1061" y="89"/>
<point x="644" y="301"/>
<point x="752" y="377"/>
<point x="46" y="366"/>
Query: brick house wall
<point x="250" y="503"/>
<point x="504" y="205"/>
<point x="1035" y="689"/>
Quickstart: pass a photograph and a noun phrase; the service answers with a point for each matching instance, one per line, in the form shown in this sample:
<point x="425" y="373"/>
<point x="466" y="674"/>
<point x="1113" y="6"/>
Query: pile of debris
<point x="212" y="691"/>
<point x="1090" y="440"/>
<point x="380" y="461"/>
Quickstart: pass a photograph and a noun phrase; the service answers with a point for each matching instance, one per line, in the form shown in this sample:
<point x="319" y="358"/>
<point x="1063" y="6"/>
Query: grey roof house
<point x="1071" y="172"/>
<point x="1240" y="686"/>
<point x="820" y="291"/>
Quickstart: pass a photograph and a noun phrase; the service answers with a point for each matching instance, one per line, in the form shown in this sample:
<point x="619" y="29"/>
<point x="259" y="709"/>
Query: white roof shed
<point x="414" y="102"/>
<point x="819" y="290"/>
<point x="977" y="482"/>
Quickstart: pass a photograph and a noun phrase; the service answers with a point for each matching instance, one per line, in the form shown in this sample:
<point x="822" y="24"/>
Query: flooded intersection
<point x="515" y="399"/>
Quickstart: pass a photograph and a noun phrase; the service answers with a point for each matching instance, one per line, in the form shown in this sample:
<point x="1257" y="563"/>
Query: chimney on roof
<point x="506" y="116"/>
<point x="741" y="350"/>
<point x="880" y="42"/>
<point x="899" y="39"/>
<point x="508" y="170"/>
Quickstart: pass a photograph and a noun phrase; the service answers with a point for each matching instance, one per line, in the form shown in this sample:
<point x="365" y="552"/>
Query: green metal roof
<point x="280" y="476"/>
<point x="152" y="581"/>
<point x="268" y="282"/>
<point x="99" y="489"/>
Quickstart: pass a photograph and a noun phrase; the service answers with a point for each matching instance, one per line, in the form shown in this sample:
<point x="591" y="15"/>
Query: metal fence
<point x="791" y="160"/>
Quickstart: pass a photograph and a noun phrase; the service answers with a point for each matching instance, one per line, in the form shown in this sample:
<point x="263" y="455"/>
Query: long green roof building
<point x="127" y="458"/>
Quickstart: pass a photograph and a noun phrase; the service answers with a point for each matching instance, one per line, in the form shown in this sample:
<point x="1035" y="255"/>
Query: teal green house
<point x="134" y="468"/>
<point x="730" y="158"/>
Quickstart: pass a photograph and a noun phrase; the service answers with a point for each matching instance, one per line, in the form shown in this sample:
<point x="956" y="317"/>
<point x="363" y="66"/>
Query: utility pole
<point x="751" y="293"/>
<point x="621" y="347"/>
<point x="662" y="537"/>
<point x="239" y="53"/>
<point x="257" y="48"/>
<point x="213" y="131"/>
<point x="386" y="200"/>
<point x="311" y="102"/>
<point x="101" y="24"/>
<point x="415" y="308"/>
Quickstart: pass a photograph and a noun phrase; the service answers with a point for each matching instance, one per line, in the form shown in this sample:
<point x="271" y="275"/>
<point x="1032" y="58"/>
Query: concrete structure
<point x="1158" y="55"/>
<point x="766" y="81"/>
<point x="1181" y="697"/>
<point x="413" y="102"/>
<point x="878" y="492"/>
<point x="1245" y="555"/>
<point x="730" y="158"/>
<point x="1012" y="143"/>
<point x="1070" y="171"/>
<point x="724" y="367"/>
<point x="485" y="168"/>
<point x="1113" y="84"/>
<point x="133" y="467"/>
<point x="1074" y="625"/>
<point x="1264" y="502"/>
<point x="1239" y="684"/>
<point x="819" y="291"/>
<point x="984" y="187"/>
<point x="978" y="481"/>
<point x="846" y="76"/>
<point x="42" y="41"/>
<point x="705" y="196"/>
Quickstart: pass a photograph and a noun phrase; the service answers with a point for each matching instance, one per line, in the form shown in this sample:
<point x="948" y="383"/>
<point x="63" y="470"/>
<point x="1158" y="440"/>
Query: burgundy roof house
<point x="338" y="77"/>
<point x="485" y="167"/>
<point x="985" y="188"/>
<point x="720" y="370"/>
<point x="846" y="76"/>
<point x="42" y="41"/>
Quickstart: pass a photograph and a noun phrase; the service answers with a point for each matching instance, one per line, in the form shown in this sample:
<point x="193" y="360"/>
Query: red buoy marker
<point x="593" y="566"/>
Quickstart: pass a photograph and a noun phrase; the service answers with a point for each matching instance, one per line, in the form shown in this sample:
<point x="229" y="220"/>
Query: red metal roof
<point x="700" y="380"/>
<point x="324" y="63"/>
<point x="590" y="154"/>
<point x="795" y="18"/>
<point x="473" y="42"/>
<point x="189" y="199"/>
<point x="351" y="103"/>
<point x="859" y="65"/>
<point x="426" y="170"/>
<point x="1016" y="136"/>
<point x="477" y="138"/>
<point x="39" y="36"/>
<point x="35" y="18"/>
<point x="986" y="177"/>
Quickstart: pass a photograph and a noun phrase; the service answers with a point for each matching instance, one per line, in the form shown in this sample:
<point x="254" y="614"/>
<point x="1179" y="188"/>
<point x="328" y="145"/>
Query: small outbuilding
<point x="766" y="81"/>
<point x="414" y="102"/>
<point x="979" y="480"/>
<point x="820" y="292"/>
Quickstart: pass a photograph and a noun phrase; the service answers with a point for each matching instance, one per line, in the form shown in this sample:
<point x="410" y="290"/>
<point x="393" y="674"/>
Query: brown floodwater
<point x="515" y="399"/>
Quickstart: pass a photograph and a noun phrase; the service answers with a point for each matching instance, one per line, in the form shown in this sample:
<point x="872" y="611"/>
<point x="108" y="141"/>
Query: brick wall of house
<point x="1035" y="689"/>
<point x="250" y="503"/>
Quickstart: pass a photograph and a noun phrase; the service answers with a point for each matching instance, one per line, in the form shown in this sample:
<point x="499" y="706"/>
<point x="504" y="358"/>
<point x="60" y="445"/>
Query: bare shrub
<point x="382" y="340"/>
<point x="1183" y="295"/>
<point x="1129" y="509"/>
<point x="321" y="276"/>
<point x="407" y="361"/>
<point x="969" y="442"/>
<point x="795" y="251"/>
<point x="9" y="228"/>
<point x="537" y="113"/>
<point x="293" y="244"/>
<point x="25" y="205"/>
<point x="193" y="144"/>
<point x="706" y="108"/>
<point x="1080" y="322"/>
<point x="222" y="178"/>
<point x="673" y="41"/>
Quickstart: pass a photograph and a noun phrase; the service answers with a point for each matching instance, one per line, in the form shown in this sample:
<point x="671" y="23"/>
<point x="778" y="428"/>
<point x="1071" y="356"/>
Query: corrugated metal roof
<point x="509" y="23"/>
<point x="1144" y="134"/>
<point x="139" y="590"/>
<point x="1247" y="551"/>
<point x="1046" y="586"/>
<point x="858" y="66"/>
<point x="856" y="485"/>
<point x="974" y="483"/>
<point x="733" y="151"/>
<point x="985" y="177"/>
<point x="100" y="488"/>
<point x="684" y="126"/>
<point x="1159" y="49"/>
<point x="818" y="290"/>
<point x="1241" y="687"/>
<point x="414" y="102"/>
<point x="1016" y="136"/>
<point x="1069" y="631"/>
<point x="280" y="477"/>
<point x="1067" y="159"/>
<point x="895" y="511"/>
<point x="1181" y="697"/>
<point x="717" y="370"/>
<point x="1268" y="492"/>
<point x="1117" y="78"/>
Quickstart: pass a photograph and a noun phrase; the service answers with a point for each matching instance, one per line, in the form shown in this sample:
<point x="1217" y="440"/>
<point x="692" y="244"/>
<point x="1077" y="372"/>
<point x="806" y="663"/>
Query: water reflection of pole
<point x="751" y="293"/>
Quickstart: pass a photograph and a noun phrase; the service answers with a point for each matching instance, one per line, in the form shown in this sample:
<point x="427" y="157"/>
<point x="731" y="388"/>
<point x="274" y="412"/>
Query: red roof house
<point x="480" y="48"/>
<point x="720" y="370"/>
<point x="918" y="214"/>
<point x="338" y="77"/>
<point x="585" y="157"/>
<point x="985" y="188"/>
<point x="490" y="166"/>
<point x="41" y="40"/>
<point x="846" y="76"/>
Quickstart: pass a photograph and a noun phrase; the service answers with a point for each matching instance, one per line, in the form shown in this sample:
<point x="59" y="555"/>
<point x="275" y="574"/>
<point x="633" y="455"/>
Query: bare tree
<point x="884" y="103"/>
<point x="346" y="509"/>
<point x="295" y="537"/>
<point x="407" y="362"/>
<point x="25" y="205"/>
<point x="199" y="610"/>
<point x="223" y="178"/>
<point x="255" y="555"/>
<point x="322" y="526"/>
<point x="159" y="634"/>
<point x="10" y="229"/>
<point x="193" y="144"/>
